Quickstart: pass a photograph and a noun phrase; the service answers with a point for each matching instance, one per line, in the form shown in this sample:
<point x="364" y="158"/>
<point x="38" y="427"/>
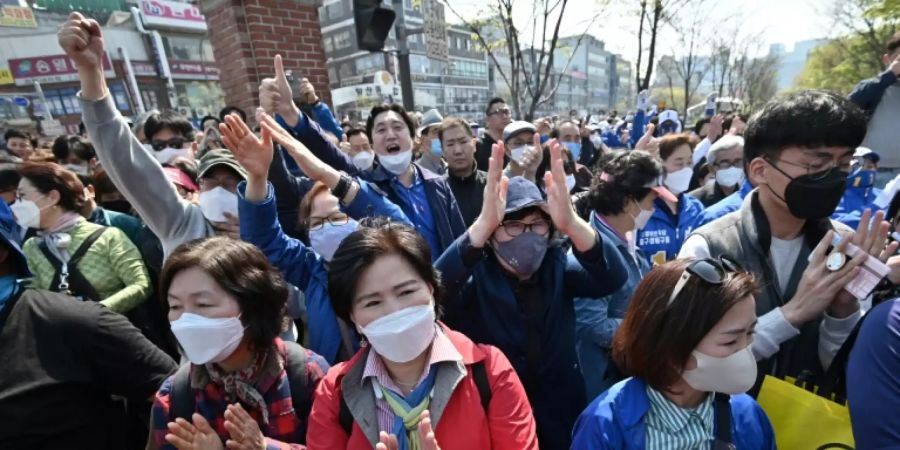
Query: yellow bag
<point x="803" y="420"/>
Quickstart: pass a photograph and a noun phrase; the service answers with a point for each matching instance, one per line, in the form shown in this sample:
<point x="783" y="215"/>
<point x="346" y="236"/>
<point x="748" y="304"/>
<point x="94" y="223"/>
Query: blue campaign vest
<point x="661" y="239"/>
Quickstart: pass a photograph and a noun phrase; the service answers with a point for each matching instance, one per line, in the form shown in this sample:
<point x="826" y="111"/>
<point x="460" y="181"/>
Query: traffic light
<point x="373" y="23"/>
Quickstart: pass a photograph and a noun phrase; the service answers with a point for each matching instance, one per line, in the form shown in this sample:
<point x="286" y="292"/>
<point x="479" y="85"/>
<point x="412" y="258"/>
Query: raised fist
<point x="643" y="100"/>
<point x="82" y="41"/>
<point x="308" y="92"/>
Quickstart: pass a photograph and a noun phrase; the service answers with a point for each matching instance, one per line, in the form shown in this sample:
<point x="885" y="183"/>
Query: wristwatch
<point x="835" y="261"/>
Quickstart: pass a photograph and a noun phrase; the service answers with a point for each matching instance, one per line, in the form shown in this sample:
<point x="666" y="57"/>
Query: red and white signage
<point x="192" y="70"/>
<point x="172" y="15"/>
<point x="50" y="69"/>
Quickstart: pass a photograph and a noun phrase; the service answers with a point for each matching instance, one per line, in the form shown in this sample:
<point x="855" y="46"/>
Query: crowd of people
<point x="416" y="282"/>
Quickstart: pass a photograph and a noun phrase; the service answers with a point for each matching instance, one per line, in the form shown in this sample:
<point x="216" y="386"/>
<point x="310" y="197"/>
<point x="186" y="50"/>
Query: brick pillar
<point x="247" y="34"/>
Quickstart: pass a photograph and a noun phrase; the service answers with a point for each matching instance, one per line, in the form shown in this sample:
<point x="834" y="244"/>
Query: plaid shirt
<point x="442" y="350"/>
<point x="286" y="428"/>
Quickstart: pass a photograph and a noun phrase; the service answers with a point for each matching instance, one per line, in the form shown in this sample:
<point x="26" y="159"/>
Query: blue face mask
<point x="436" y="149"/>
<point x="861" y="179"/>
<point x="574" y="149"/>
<point x="545" y="138"/>
<point x="524" y="253"/>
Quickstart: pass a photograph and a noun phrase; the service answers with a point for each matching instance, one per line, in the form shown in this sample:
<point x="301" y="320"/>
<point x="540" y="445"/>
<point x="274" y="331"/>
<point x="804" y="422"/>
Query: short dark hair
<point x="493" y="102"/>
<point x="208" y="117"/>
<point x="229" y="110"/>
<point x="61" y="148"/>
<point x="627" y="173"/>
<point x="9" y="177"/>
<point x="379" y="109"/>
<point x="354" y="131"/>
<point x="669" y="143"/>
<point x="655" y="339"/>
<point x="729" y="119"/>
<point x="243" y="271"/>
<point x="451" y="122"/>
<point x="358" y="251"/>
<point x="170" y="119"/>
<point x="13" y="133"/>
<point x="699" y="124"/>
<point x="805" y="119"/>
<point x="893" y="43"/>
<point x="48" y="176"/>
<point x="82" y="148"/>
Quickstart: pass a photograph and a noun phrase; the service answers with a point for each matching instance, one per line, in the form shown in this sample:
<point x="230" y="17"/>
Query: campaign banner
<point x="17" y="16"/>
<point x="143" y="68"/>
<point x="193" y="70"/>
<point x="172" y="15"/>
<point x="50" y="69"/>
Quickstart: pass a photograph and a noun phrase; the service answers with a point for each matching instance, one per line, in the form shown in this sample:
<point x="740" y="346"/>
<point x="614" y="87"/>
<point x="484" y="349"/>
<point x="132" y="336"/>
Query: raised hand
<point x="308" y="92"/>
<point x="871" y="236"/>
<point x="493" y="207"/>
<point x="387" y="442"/>
<point x="426" y="433"/>
<point x="82" y="41"/>
<point x="345" y="144"/>
<point x="715" y="127"/>
<point x="275" y="95"/>
<point x="243" y="430"/>
<point x="312" y="166"/>
<point x="559" y="204"/>
<point x="197" y="436"/>
<point x="254" y="154"/>
<point x="647" y="142"/>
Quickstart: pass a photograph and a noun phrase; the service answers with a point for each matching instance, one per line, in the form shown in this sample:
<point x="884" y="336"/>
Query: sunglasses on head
<point x="710" y="270"/>
<point x="171" y="143"/>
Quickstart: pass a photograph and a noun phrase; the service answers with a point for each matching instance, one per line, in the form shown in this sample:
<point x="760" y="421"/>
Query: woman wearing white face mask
<point x="621" y="202"/>
<point x="325" y="213"/>
<point x="245" y="387"/>
<point x="70" y="254"/>
<point x="672" y="220"/>
<point x="418" y="384"/>
<point x="686" y="339"/>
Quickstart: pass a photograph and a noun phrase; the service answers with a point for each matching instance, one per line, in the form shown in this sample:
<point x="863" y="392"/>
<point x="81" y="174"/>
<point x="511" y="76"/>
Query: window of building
<point x="150" y="99"/>
<point x="335" y="10"/>
<point x="342" y="40"/>
<point x="188" y="48"/>
<point x="328" y="44"/>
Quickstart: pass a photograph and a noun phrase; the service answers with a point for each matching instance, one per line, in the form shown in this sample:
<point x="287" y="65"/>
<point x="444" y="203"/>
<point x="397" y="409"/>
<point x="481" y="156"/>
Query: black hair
<point x="893" y="209"/>
<point x="9" y="177"/>
<point x="231" y="109"/>
<point x="354" y="131"/>
<point x="627" y="173"/>
<point x="805" y="119"/>
<point x="208" y="117"/>
<point x="61" y="148"/>
<point x="379" y="109"/>
<point x="82" y="148"/>
<point x="493" y="102"/>
<point x="699" y="125"/>
<point x="13" y="133"/>
<point x="170" y="119"/>
<point x="893" y="42"/>
<point x="729" y="119"/>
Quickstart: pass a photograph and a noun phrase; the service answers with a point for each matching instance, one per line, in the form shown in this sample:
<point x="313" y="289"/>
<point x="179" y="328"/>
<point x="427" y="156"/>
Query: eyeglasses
<point x="712" y="271"/>
<point x="503" y="111"/>
<point x="726" y="164"/>
<point x="171" y="143"/>
<point x="816" y="171"/>
<point x="337" y="219"/>
<point x="516" y="227"/>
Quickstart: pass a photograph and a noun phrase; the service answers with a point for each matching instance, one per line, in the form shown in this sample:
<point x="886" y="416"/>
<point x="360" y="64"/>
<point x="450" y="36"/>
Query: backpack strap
<point x="181" y="396"/>
<point x="297" y="377"/>
<point x="722" y="411"/>
<point x="479" y="376"/>
<point x="68" y="279"/>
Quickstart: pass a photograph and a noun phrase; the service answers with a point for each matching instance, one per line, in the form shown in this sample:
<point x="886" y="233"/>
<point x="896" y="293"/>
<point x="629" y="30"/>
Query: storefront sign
<point x="50" y="69"/>
<point x="17" y="16"/>
<point x="172" y="15"/>
<point x="6" y="76"/>
<point x="143" y="69"/>
<point x="190" y="70"/>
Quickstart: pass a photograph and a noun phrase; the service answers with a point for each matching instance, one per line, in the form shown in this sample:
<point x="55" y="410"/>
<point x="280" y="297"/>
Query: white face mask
<point x="396" y="163"/>
<point x="518" y="153"/>
<point x="596" y="140"/>
<point x="207" y="340"/>
<point x="80" y="169"/>
<point x="678" y="181"/>
<point x="640" y="221"/>
<point x="403" y="335"/>
<point x="732" y="374"/>
<point x="216" y="202"/>
<point x="28" y="214"/>
<point x="167" y="154"/>
<point x="326" y="240"/>
<point x="729" y="177"/>
<point x="570" y="182"/>
<point x="363" y="160"/>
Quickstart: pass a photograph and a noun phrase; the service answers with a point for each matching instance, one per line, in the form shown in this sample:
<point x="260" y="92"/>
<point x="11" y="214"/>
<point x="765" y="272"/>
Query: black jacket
<point x="469" y="193"/>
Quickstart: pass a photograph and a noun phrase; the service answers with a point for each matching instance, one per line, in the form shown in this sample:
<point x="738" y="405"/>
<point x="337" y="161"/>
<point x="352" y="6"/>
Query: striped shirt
<point x="671" y="427"/>
<point x="442" y="349"/>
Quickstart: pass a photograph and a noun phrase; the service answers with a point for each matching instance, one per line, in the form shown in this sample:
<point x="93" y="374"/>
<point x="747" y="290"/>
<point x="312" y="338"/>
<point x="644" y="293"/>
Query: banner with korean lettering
<point x="192" y="70"/>
<point x="172" y="15"/>
<point x="17" y="16"/>
<point x="50" y="69"/>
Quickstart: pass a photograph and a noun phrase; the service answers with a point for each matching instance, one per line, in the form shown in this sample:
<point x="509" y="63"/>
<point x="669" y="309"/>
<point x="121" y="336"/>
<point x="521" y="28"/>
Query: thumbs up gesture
<point x="275" y="95"/>
<point x="82" y="41"/>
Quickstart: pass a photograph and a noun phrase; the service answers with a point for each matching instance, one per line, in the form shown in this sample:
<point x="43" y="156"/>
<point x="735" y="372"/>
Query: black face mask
<point x="813" y="196"/>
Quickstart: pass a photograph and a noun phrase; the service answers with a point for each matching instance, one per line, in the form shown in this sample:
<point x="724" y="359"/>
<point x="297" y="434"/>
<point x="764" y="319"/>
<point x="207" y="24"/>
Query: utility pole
<point x="403" y="56"/>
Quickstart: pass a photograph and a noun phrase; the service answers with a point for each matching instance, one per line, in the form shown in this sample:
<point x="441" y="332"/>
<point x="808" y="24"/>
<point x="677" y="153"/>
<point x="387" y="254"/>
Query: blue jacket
<point x="867" y="94"/>
<point x="859" y="195"/>
<point x="615" y="421"/>
<point x="725" y="206"/>
<point x="301" y="266"/>
<point x="448" y="219"/>
<point x="480" y="301"/>
<point x="663" y="235"/>
<point x="597" y="319"/>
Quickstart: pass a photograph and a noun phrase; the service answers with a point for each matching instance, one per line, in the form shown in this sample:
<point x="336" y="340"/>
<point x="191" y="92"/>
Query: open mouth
<point x="393" y="148"/>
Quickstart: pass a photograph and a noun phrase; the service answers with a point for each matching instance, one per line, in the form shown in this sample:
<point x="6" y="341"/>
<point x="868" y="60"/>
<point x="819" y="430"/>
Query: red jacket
<point x="462" y="424"/>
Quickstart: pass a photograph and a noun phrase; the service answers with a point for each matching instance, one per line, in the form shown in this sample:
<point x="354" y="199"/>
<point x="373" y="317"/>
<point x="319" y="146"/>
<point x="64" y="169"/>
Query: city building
<point x="790" y="64"/>
<point x="359" y="79"/>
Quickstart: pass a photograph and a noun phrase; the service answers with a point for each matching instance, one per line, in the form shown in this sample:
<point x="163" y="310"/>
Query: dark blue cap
<point x="522" y="194"/>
